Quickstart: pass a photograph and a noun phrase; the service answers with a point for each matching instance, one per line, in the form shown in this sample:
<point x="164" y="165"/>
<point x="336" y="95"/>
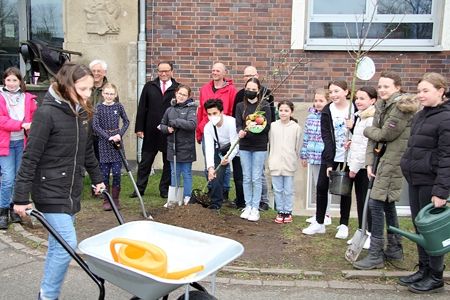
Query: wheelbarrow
<point x="212" y="252"/>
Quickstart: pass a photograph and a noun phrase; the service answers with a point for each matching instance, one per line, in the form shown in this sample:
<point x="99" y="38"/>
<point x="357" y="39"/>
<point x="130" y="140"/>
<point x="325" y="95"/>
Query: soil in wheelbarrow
<point x="267" y="244"/>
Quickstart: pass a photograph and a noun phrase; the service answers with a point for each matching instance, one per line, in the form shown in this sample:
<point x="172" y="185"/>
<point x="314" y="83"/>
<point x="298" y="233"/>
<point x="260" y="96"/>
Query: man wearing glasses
<point x="239" y="202"/>
<point x="98" y="68"/>
<point x="155" y="99"/>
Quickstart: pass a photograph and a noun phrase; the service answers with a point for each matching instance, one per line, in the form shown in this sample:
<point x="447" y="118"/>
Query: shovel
<point x="118" y="147"/>
<point x="175" y="195"/>
<point x="360" y="236"/>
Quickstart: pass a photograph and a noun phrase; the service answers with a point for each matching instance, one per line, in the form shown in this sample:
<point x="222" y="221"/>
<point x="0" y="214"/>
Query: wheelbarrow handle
<point x="40" y="217"/>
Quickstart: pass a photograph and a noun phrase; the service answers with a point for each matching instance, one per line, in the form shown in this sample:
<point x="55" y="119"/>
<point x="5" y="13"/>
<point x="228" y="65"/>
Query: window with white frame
<point x="342" y="24"/>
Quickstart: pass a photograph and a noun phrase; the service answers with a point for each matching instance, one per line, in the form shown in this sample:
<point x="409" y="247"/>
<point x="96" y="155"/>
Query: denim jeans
<point x="283" y="192"/>
<point x="265" y="187"/>
<point x="10" y="166"/>
<point x="57" y="260"/>
<point x="184" y="168"/>
<point x="380" y="210"/>
<point x="419" y="196"/>
<point x="226" y="180"/>
<point x="217" y="183"/>
<point x="252" y="163"/>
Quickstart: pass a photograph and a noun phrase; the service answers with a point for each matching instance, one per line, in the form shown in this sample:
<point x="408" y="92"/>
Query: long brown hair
<point x="16" y="72"/>
<point x="65" y="81"/>
<point x="254" y="80"/>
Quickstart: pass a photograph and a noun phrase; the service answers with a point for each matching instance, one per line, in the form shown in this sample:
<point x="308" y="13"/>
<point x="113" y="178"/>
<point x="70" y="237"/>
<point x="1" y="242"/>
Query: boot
<point x="416" y="277"/>
<point x="433" y="283"/>
<point x="394" y="248"/>
<point x="374" y="259"/>
<point x="115" y="196"/>
<point x="106" y="205"/>
<point x="4" y="218"/>
<point x="15" y="218"/>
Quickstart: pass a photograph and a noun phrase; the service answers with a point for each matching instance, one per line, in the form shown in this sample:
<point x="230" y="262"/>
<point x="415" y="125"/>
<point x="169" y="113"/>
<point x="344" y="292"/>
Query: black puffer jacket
<point x="426" y="161"/>
<point x="183" y="118"/>
<point x="59" y="150"/>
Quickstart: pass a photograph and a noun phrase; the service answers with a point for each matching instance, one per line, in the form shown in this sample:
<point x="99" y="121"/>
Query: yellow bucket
<point x="146" y="257"/>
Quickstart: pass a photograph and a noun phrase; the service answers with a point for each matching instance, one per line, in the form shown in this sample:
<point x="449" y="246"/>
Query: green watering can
<point x="433" y="224"/>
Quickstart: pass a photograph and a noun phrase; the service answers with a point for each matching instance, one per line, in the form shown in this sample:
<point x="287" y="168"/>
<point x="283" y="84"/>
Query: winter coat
<point x="426" y="161"/>
<point x="152" y="106"/>
<point x="328" y="137"/>
<point x="183" y="118"/>
<point x="7" y="124"/>
<point x="284" y="148"/>
<point x="357" y="154"/>
<point x="226" y="93"/>
<point x="312" y="139"/>
<point x="391" y="124"/>
<point x="59" y="151"/>
<point x="253" y="141"/>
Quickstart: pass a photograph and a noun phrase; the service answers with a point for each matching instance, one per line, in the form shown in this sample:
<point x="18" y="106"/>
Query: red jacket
<point x="226" y="93"/>
<point x="7" y="124"/>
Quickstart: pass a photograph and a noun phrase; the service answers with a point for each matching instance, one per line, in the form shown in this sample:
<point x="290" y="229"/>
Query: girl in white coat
<point x="365" y="99"/>
<point x="284" y="152"/>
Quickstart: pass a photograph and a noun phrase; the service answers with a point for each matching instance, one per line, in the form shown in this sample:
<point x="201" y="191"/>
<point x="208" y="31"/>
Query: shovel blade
<point x="354" y="250"/>
<point x="175" y="194"/>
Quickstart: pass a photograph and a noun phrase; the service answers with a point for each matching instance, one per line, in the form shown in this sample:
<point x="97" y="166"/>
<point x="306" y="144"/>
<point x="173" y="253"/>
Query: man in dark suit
<point x="155" y="99"/>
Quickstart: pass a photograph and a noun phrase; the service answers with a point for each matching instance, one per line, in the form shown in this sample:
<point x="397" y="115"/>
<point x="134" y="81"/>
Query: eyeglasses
<point x="109" y="95"/>
<point x="182" y="95"/>
<point x="164" y="71"/>
<point x="251" y="75"/>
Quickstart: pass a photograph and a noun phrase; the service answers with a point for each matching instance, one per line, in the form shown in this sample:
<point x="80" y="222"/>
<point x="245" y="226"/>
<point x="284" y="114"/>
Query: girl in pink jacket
<point x="16" y="111"/>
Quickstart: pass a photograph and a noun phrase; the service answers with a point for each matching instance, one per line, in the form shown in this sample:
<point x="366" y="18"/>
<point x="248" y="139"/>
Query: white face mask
<point x="214" y="120"/>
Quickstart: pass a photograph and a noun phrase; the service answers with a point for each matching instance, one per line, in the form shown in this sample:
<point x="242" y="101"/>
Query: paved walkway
<point x="21" y="271"/>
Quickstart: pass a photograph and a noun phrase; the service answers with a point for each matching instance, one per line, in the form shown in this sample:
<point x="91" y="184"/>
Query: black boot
<point x="4" y="218"/>
<point x="374" y="259"/>
<point x="394" y="248"/>
<point x="433" y="283"/>
<point x="15" y="218"/>
<point x="416" y="277"/>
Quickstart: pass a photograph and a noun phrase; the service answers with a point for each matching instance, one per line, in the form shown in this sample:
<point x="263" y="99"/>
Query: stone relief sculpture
<point x="102" y="16"/>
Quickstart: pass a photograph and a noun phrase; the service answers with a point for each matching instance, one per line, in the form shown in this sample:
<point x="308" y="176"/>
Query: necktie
<point x="164" y="87"/>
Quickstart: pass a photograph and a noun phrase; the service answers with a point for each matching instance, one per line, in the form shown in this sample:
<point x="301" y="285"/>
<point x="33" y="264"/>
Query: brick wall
<point x="195" y="34"/>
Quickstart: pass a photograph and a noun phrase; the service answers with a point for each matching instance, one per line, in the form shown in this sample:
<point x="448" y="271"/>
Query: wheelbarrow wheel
<point x="198" y="295"/>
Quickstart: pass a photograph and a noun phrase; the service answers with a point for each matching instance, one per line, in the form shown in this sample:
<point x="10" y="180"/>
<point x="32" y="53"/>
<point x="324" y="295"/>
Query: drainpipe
<point x="141" y="64"/>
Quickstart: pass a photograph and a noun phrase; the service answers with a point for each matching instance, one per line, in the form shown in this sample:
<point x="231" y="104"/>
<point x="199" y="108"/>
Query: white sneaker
<point x="254" y="215"/>
<point x="312" y="219"/>
<point x="350" y="241"/>
<point x="327" y="220"/>
<point x="246" y="212"/>
<point x="342" y="232"/>
<point x="314" y="228"/>
<point x="186" y="200"/>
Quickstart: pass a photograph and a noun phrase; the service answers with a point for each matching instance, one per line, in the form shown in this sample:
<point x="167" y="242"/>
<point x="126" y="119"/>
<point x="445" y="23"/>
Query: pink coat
<point x="7" y="124"/>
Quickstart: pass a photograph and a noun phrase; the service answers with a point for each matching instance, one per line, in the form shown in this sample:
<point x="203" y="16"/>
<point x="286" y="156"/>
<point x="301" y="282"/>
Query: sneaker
<point x="246" y="212"/>
<point x="280" y="218"/>
<point x="312" y="219"/>
<point x="342" y="232"/>
<point x="287" y="218"/>
<point x="327" y="220"/>
<point x="186" y="200"/>
<point x="254" y="215"/>
<point x="314" y="228"/>
<point x="263" y="206"/>
<point x="214" y="207"/>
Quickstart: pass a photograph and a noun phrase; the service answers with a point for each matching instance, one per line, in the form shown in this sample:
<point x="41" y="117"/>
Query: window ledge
<point x="437" y="48"/>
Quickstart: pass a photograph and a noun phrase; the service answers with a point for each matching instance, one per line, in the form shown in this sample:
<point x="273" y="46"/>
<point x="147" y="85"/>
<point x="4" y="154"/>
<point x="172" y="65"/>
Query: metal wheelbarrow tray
<point x="184" y="248"/>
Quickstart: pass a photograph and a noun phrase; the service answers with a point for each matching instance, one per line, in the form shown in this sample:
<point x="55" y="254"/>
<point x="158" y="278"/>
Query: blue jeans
<point x="379" y="210"/>
<point x="227" y="178"/>
<point x="252" y="163"/>
<point x="283" y="192"/>
<point x="57" y="260"/>
<point x="184" y="168"/>
<point x="10" y="166"/>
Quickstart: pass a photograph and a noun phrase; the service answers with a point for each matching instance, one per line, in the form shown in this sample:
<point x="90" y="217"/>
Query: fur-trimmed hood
<point x="189" y="102"/>
<point x="367" y="113"/>
<point x="407" y="103"/>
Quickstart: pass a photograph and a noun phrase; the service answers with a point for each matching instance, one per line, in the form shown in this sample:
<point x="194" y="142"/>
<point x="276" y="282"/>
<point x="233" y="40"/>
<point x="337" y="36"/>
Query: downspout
<point x="141" y="64"/>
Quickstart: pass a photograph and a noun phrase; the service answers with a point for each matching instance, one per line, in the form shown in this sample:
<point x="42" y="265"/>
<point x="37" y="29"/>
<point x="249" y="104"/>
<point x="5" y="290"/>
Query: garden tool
<point x="176" y="193"/>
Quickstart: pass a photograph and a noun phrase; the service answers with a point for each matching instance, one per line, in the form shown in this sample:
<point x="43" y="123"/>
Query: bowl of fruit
<point x="256" y="122"/>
